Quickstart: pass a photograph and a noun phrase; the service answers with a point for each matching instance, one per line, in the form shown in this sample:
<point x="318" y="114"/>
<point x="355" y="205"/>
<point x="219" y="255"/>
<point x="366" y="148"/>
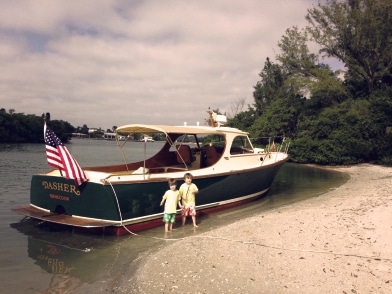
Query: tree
<point x="243" y="120"/>
<point x="270" y="86"/>
<point x="280" y="95"/>
<point x="21" y="128"/>
<point x="304" y="75"/>
<point x="340" y="134"/>
<point x="357" y="32"/>
<point x="326" y="90"/>
<point x="295" y="57"/>
<point x="236" y="107"/>
<point x="304" y="99"/>
<point x="84" y="129"/>
<point x="63" y="129"/>
<point x="279" y="119"/>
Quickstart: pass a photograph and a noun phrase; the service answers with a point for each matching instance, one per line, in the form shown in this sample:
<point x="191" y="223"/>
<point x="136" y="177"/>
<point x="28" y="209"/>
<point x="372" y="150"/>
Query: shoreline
<point x="337" y="242"/>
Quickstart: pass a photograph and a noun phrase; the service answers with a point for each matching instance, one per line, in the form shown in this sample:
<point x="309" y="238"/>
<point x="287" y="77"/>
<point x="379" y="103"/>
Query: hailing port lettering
<point x="58" y="197"/>
<point x="55" y="265"/>
<point x="56" y="186"/>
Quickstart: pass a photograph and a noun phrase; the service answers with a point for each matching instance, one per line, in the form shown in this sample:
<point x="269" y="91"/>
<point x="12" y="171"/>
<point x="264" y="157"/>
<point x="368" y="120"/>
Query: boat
<point x="122" y="198"/>
<point x="113" y="136"/>
<point x="146" y="138"/>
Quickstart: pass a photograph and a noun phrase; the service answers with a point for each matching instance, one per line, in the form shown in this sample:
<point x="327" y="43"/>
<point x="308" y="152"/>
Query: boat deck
<point x="62" y="219"/>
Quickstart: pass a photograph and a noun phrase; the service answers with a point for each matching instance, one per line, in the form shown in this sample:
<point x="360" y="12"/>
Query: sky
<point x="109" y="63"/>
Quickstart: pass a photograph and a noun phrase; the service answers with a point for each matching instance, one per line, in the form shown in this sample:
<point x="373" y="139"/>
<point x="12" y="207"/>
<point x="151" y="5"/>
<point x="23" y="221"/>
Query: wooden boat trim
<point x="63" y="219"/>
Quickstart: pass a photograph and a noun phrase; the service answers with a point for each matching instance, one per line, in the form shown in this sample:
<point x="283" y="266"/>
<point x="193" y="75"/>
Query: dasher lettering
<point x="56" y="186"/>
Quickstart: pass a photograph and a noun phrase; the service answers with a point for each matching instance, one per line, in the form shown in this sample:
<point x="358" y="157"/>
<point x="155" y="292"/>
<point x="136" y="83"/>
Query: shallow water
<point x="38" y="259"/>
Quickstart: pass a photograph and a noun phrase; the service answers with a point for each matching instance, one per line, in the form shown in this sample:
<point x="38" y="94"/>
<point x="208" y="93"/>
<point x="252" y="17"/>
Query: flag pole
<point x="47" y="116"/>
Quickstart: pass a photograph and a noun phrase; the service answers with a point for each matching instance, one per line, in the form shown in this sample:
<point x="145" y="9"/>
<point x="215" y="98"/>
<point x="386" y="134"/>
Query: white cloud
<point x="105" y="63"/>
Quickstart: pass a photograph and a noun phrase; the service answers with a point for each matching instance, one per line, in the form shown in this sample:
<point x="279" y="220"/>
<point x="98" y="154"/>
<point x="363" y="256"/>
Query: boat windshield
<point x="198" y="141"/>
<point x="241" y="145"/>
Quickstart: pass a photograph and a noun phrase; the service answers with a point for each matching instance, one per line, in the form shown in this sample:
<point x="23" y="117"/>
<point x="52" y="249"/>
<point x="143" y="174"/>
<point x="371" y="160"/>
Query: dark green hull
<point x="138" y="203"/>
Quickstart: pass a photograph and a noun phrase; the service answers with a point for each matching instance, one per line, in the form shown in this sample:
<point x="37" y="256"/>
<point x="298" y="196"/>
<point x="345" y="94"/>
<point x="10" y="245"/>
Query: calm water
<point x="38" y="259"/>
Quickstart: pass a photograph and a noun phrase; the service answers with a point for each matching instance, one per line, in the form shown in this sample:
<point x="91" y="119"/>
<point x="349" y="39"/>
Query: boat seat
<point x="184" y="154"/>
<point x="212" y="156"/>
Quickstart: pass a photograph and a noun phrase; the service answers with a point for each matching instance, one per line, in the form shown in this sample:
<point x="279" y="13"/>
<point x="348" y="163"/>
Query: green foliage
<point x="331" y="121"/>
<point x="243" y="120"/>
<point x="295" y="57"/>
<point x="84" y="129"/>
<point x="357" y="32"/>
<point x="341" y="134"/>
<point x="326" y="89"/>
<point x="62" y="129"/>
<point x="21" y="128"/>
<point x="279" y="119"/>
<point x="269" y="87"/>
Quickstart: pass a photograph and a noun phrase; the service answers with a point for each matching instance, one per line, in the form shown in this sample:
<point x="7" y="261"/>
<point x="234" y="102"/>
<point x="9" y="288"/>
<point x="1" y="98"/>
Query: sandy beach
<point x="338" y="242"/>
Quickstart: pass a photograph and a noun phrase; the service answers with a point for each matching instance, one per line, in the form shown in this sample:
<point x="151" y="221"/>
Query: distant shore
<point x="338" y="242"/>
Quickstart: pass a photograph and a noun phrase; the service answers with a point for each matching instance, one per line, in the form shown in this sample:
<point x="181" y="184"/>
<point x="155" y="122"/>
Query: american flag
<point x="58" y="156"/>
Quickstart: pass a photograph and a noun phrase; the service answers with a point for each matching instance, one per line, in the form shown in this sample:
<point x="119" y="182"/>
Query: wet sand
<point x="338" y="242"/>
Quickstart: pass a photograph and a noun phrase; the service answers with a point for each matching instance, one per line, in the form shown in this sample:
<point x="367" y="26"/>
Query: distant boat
<point x="226" y="167"/>
<point x="146" y="139"/>
<point x="113" y="136"/>
<point x="80" y="135"/>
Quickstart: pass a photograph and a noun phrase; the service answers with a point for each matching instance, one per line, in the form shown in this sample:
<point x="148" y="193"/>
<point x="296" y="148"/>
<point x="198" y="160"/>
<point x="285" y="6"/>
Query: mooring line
<point x="244" y="242"/>
<point x="377" y="258"/>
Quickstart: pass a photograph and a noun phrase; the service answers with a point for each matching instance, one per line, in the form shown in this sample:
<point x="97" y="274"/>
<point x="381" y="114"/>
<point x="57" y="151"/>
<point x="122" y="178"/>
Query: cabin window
<point x="190" y="140"/>
<point x="218" y="141"/>
<point x="186" y="139"/>
<point x="241" y="145"/>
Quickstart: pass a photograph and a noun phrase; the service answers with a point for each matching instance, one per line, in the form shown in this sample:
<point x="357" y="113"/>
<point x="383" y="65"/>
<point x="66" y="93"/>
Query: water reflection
<point x="298" y="182"/>
<point x="73" y="259"/>
<point x="59" y="251"/>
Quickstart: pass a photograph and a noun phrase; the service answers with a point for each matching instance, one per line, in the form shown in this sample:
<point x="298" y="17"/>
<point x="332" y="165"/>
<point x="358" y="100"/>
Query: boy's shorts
<point x="188" y="210"/>
<point x="169" y="218"/>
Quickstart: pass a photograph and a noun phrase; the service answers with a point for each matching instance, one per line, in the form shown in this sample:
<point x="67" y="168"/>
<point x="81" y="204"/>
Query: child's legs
<point x="172" y="221"/>
<point x="194" y="220"/>
<point x="167" y="219"/>
<point x="185" y="213"/>
<point x="192" y="212"/>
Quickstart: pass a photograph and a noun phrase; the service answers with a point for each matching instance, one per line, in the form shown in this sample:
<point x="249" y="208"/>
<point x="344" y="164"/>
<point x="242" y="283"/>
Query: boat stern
<point x="63" y="196"/>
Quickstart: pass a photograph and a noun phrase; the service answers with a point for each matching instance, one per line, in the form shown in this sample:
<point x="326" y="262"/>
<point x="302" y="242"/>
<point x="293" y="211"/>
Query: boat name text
<point x="61" y="187"/>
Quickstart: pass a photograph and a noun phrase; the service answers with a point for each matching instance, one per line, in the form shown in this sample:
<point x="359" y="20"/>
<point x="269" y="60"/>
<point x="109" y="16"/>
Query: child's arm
<point x="163" y="200"/>
<point x="179" y="199"/>
<point x="182" y="195"/>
